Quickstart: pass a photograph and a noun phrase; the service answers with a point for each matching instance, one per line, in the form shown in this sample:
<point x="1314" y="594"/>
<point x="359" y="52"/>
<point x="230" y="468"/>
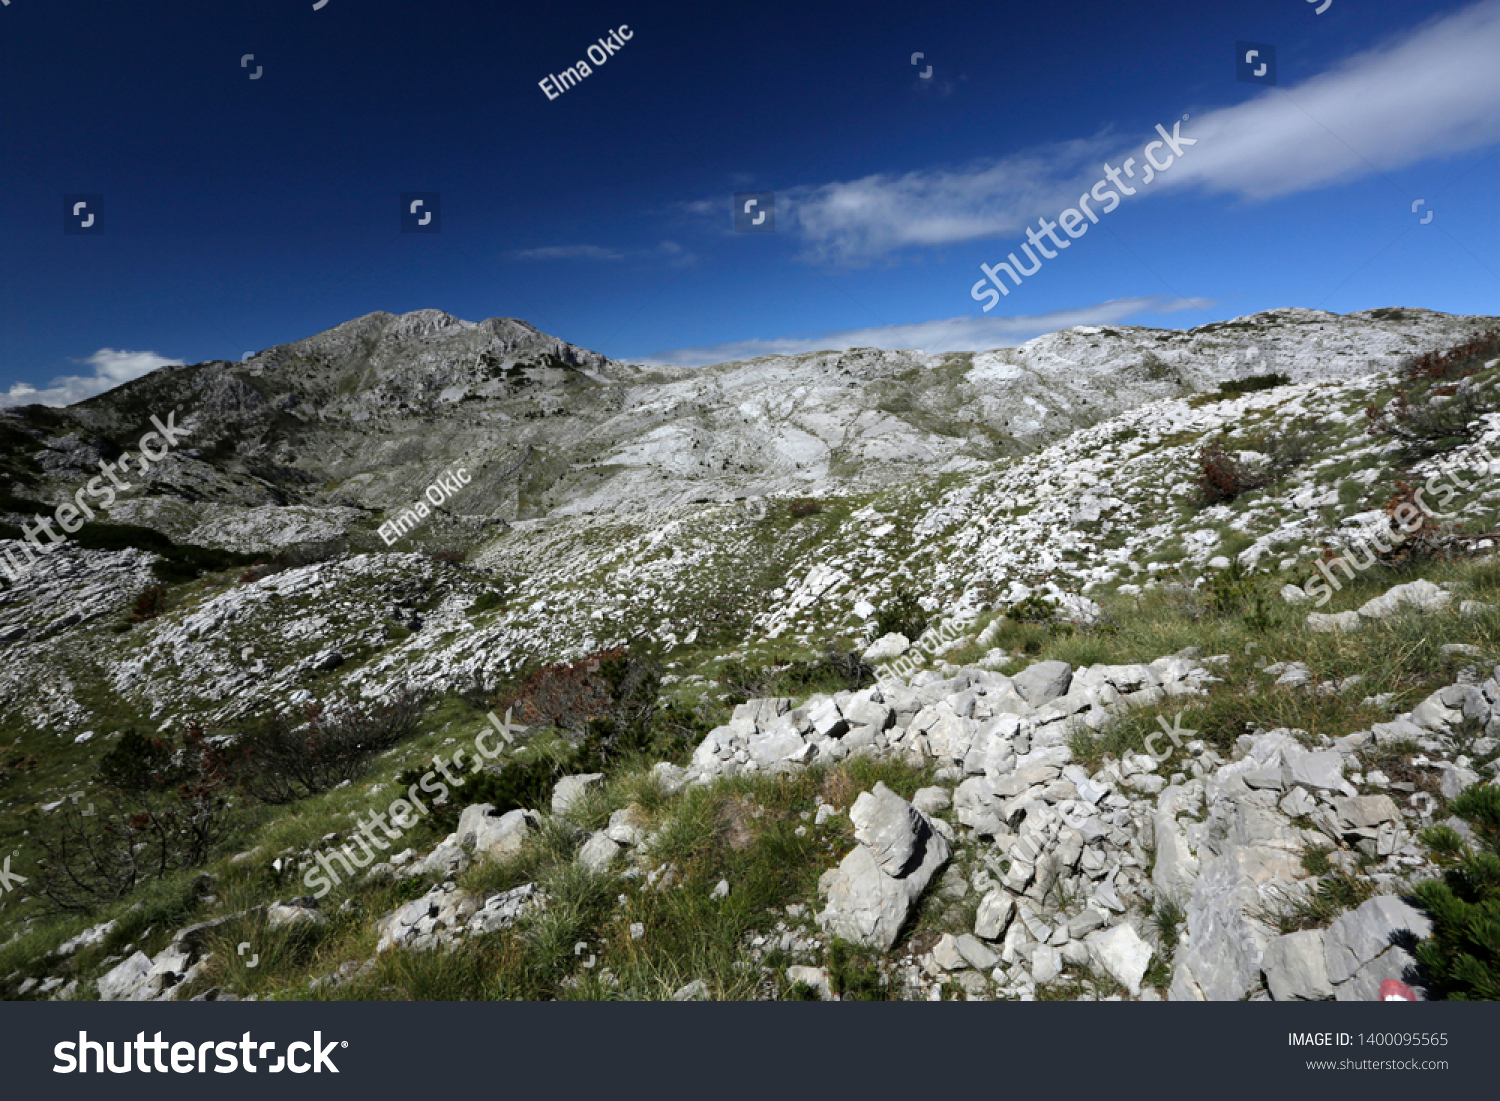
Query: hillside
<point x="1101" y="528"/>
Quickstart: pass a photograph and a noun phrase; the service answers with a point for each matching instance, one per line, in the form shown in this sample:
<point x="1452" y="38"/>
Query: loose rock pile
<point x="1068" y="866"/>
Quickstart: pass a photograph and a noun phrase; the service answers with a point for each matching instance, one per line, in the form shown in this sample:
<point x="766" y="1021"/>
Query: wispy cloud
<point x="670" y="251"/>
<point x="1431" y="92"/>
<point x="1434" y="92"/>
<point x="111" y="368"/>
<point x="951" y="335"/>
<point x="568" y="252"/>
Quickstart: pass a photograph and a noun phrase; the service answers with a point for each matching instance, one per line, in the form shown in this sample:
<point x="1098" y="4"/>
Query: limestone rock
<point x="1361" y="936"/>
<point x="1122" y="953"/>
<point x="1295" y="969"/>
<point x="570" y="790"/>
<point x="484" y="832"/>
<point x="1044" y="681"/>
<point x="871" y="892"/>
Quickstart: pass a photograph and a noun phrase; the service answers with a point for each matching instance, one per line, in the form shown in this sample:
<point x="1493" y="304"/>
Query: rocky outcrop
<point x="873" y="890"/>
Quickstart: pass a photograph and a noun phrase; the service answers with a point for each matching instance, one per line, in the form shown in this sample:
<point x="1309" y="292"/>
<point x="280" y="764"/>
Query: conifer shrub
<point x="903" y="615"/>
<point x="1032" y="609"/>
<point x="1462" y="957"/>
<point x="1252" y="384"/>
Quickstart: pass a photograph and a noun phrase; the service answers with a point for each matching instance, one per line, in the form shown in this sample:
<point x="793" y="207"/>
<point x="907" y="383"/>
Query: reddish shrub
<point x="1222" y="477"/>
<point x="1460" y="361"/>
<point x="149" y="603"/>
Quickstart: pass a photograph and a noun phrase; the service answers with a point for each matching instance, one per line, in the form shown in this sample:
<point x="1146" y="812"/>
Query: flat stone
<point x="280" y="915"/>
<point x="1046" y="964"/>
<point x="995" y="912"/>
<point x="1362" y="935"/>
<point x="1122" y="953"/>
<point x="946" y="954"/>
<point x="1320" y="770"/>
<point x="1043" y="681"/>
<point x="598" y="852"/>
<point x="1420" y="595"/>
<point x="975" y="952"/>
<point x="1366" y="812"/>
<point x="126" y="982"/>
<point x="1295" y="969"/>
<point x="932" y="800"/>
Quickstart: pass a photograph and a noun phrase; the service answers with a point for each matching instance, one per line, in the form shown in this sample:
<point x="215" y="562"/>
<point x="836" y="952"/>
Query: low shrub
<point x="157" y="808"/>
<point x="1462" y="957"/>
<point x="854" y="973"/>
<point x="1440" y="403"/>
<point x="836" y="670"/>
<point x="1428" y="418"/>
<point x="1223" y="477"/>
<point x="903" y="615"/>
<point x="1458" y="362"/>
<point x="150" y="602"/>
<point x="284" y="760"/>
<point x="514" y="787"/>
<point x="488" y="601"/>
<point x="1033" y="608"/>
<point x="1252" y="384"/>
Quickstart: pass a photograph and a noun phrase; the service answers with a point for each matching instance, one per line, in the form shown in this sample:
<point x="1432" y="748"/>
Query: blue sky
<point x="239" y="213"/>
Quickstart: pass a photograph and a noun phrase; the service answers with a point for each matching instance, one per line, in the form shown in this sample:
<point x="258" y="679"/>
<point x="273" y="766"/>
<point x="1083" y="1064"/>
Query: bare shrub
<point x="156" y="809"/>
<point x="283" y="760"/>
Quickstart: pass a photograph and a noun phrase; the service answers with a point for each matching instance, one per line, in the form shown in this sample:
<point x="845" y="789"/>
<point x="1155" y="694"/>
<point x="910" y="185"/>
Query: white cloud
<point x="1430" y="92"/>
<point x="671" y="251"/>
<point x="111" y="369"/>
<point x="857" y="221"/>
<point x="568" y="252"/>
<point x="951" y="335"/>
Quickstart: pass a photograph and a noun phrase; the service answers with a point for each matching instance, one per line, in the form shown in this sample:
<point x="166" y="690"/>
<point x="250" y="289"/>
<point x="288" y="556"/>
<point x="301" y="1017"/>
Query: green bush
<point x="902" y="616"/>
<point x="1032" y="609"/>
<point x="488" y="601"/>
<point x="1462" y="957"/>
<point x="1253" y="383"/>
<point x="514" y="787"/>
<point x="838" y="671"/>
